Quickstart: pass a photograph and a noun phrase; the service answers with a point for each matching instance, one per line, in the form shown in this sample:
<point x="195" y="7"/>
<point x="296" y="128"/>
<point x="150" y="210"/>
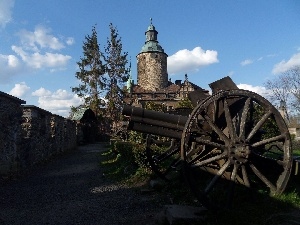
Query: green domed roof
<point x="151" y="44"/>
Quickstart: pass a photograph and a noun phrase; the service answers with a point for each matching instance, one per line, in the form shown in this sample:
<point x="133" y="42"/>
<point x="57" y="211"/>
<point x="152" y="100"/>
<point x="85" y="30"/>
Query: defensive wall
<point x="30" y="135"/>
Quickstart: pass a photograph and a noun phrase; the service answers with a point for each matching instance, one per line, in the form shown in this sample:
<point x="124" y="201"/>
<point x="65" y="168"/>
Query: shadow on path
<point x="72" y="190"/>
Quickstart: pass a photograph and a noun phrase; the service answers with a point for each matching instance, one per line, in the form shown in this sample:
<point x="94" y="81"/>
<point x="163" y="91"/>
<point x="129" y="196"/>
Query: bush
<point x="125" y="149"/>
<point x="132" y="154"/>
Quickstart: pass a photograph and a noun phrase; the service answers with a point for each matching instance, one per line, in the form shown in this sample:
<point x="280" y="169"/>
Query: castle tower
<point x="152" y="72"/>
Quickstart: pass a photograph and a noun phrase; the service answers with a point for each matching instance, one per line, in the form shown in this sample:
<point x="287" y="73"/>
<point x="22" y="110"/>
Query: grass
<point x="296" y="152"/>
<point x="249" y="207"/>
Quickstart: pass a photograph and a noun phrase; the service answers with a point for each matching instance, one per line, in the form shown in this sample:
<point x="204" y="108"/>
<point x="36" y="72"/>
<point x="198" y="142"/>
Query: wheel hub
<point x="240" y="153"/>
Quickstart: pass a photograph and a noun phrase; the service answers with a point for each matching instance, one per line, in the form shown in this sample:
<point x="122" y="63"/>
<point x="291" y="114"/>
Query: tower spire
<point x="129" y="81"/>
<point x="152" y="55"/>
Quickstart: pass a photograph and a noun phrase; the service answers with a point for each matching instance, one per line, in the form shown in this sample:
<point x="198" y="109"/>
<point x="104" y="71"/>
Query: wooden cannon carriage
<point x="232" y="137"/>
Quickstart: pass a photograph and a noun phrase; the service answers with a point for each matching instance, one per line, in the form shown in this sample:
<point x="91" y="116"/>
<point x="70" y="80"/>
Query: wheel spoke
<point x="228" y="118"/>
<point x="234" y="172"/>
<point x="269" y="140"/>
<point x="259" y="124"/>
<point x="232" y="185"/>
<point x="209" y="143"/>
<point x="216" y="177"/>
<point x="245" y="176"/>
<point x="207" y="161"/>
<point x="216" y="129"/>
<point x="263" y="178"/>
<point x="278" y="160"/>
<point x="243" y="119"/>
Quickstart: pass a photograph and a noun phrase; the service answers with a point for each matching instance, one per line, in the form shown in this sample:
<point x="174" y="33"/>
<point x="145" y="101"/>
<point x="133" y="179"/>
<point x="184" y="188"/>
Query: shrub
<point x="132" y="154"/>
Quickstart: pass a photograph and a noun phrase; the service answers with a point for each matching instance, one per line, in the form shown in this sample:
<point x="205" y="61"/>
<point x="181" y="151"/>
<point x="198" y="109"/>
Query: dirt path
<point x="72" y="190"/>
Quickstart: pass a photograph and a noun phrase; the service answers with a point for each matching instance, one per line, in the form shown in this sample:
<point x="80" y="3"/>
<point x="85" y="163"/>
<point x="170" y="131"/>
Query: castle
<point x="152" y="77"/>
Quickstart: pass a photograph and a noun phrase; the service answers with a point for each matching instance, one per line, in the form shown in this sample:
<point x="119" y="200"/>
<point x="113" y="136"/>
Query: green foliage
<point x="296" y="148"/>
<point x="126" y="160"/>
<point x="155" y="106"/>
<point x="102" y="73"/>
<point x="131" y="153"/>
<point x="119" y="162"/>
<point x="91" y="73"/>
<point x="125" y="150"/>
<point x="270" y="127"/>
<point x="138" y="152"/>
<point x="117" y="74"/>
<point x="135" y="137"/>
<point x="292" y="198"/>
<point x="185" y="103"/>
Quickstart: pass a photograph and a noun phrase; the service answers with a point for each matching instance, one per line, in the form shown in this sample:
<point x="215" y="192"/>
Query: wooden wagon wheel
<point x="163" y="156"/>
<point x="235" y="137"/>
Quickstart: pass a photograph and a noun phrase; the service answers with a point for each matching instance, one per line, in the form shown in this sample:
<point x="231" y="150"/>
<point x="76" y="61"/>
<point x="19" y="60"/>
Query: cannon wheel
<point x="163" y="156"/>
<point x="239" y="136"/>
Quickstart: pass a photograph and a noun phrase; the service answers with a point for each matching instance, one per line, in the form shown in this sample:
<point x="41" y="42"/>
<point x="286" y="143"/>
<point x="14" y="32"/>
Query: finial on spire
<point x="151" y="20"/>
<point x="130" y="77"/>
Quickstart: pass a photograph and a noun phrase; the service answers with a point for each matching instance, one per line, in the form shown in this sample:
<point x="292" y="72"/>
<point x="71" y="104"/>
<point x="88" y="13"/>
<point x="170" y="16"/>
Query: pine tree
<point x="117" y="74"/>
<point x="91" y="73"/>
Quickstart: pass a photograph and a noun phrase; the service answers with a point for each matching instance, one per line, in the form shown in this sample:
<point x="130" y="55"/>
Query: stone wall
<point x="10" y="132"/>
<point x="30" y="135"/>
<point x="152" y="70"/>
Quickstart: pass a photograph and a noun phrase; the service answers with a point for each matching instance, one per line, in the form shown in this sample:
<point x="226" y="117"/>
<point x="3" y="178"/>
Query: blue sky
<point x="251" y="41"/>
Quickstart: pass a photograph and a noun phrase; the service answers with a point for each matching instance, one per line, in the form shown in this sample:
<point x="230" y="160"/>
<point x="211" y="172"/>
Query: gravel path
<point x="71" y="190"/>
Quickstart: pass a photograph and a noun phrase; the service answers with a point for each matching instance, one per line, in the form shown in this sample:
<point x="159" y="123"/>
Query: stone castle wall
<point x="152" y="70"/>
<point x="30" y="135"/>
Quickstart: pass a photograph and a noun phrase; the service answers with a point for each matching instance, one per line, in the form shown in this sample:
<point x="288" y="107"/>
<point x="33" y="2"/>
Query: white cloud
<point x="70" y="41"/>
<point x="10" y="65"/>
<point x="10" y="61"/>
<point x="42" y="92"/>
<point x="257" y="89"/>
<point x="20" y="90"/>
<point x="58" y="102"/>
<point x="40" y="38"/>
<point x="38" y="48"/>
<point x="186" y="60"/>
<point x="246" y="62"/>
<point x="6" y="11"/>
<point x="283" y="66"/>
<point x="37" y="60"/>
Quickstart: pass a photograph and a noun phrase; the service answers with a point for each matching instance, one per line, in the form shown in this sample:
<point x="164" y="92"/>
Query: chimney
<point x="178" y="82"/>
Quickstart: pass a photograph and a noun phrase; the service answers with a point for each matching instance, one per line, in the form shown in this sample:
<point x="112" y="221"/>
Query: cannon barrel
<point x="153" y="122"/>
